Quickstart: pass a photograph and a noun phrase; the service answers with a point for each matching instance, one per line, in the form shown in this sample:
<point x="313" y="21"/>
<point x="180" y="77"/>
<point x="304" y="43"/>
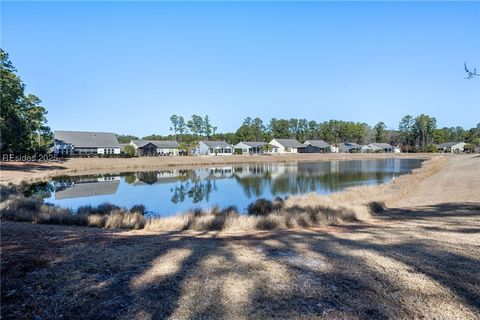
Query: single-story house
<point x="348" y="147"/>
<point x="378" y="147"/>
<point x="155" y="147"/>
<point x="253" y="147"/>
<point x="453" y="147"/>
<point x="316" y="146"/>
<point x="287" y="146"/>
<point x="82" y="142"/>
<point x="220" y="148"/>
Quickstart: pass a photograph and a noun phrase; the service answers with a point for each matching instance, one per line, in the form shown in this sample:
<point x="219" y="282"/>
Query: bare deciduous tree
<point x="470" y="74"/>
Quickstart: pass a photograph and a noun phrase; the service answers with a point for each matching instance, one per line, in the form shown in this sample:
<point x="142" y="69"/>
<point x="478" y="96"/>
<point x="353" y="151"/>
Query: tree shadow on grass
<point x="91" y="273"/>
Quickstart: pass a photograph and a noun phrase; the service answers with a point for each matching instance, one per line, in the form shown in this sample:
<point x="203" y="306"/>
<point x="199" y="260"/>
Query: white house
<point x="220" y="148"/>
<point x="81" y="142"/>
<point x="155" y="147"/>
<point x="288" y="146"/>
<point x="378" y="147"/>
<point x="253" y="147"/>
<point x="453" y="147"/>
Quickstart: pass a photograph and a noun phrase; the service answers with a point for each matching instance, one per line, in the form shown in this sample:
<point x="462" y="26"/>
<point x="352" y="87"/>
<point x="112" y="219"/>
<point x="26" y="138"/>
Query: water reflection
<point x="170" y="191"/>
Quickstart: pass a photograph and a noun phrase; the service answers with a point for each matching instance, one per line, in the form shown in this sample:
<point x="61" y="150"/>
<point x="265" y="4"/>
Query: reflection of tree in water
<point x="197" y="190"/>
<point x="254" y="185"/>
<point x="130" y="177"/>
<point x="41" y="190"/>
<point x="331" y="182"/>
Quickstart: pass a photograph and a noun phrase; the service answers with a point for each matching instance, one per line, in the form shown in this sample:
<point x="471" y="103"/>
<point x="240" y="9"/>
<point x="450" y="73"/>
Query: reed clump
<point x="19" y="208"/>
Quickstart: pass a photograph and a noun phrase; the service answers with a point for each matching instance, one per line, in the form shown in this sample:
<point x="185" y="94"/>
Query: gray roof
<point x="91" y="189"/>
<point x="348" y="146"/>
<point x="383" y="145"/>
<point x="83" y="139"/>
<point x="317" y="143"/>
<point x="216" y="144"/>
<point x="290" y="143"/>
<point x="447" y="144"/>
<point x="254" y="144"/>
<point x="161" y="144"/>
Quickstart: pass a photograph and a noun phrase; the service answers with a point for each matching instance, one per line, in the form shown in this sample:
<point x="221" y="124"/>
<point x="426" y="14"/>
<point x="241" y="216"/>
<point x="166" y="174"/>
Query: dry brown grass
<point x="20" y="208"/>
<point x="412" y="262"/>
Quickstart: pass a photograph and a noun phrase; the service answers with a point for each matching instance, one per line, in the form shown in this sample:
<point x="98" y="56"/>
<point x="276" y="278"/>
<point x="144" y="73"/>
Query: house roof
<point x="349" y="145"/>
<point x="253" y="144"/>
<point x="85" y="139"/>
<point x="216" y="144"/>
<point x="290" y="143"/>
<point x="447" y="144"/>
<point x="161" y="144"/>
<point x="90" y="189"/>
<point x="383" y="145"/>
<point x="317" y="143"/>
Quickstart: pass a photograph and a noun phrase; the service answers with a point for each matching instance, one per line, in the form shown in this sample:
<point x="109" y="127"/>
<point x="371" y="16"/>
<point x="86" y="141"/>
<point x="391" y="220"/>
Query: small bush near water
<point x="263" y="207"/>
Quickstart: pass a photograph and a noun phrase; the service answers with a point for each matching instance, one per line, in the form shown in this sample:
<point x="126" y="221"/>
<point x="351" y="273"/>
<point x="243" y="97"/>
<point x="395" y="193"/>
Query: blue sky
<point x="127" y="66"/>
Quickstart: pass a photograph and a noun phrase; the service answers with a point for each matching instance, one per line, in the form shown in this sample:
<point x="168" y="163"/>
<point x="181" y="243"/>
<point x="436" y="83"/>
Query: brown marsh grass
<point x="20" y="208"/>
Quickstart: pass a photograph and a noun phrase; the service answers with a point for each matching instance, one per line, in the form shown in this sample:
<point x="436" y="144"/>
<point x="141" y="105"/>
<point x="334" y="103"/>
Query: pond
<point x="171" y="191"/>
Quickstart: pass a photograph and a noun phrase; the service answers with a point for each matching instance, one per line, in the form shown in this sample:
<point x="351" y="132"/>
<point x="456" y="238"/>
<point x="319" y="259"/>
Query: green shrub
<point x="129" y="150"/>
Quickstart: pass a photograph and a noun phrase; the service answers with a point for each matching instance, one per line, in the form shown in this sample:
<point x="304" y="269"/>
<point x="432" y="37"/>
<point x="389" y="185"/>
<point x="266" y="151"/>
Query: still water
<point x="171" y="191"/>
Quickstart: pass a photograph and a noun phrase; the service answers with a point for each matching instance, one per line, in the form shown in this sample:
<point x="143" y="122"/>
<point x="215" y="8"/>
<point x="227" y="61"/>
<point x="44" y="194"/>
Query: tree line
<point x="418" y="133"/>
<point x="24" y="130"/>
<point x="23" y="120"/>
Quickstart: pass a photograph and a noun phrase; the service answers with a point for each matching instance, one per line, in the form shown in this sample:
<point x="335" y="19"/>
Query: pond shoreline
<point x="352" y="205"/>
<point x="167" y="192"/>
<point x="18" y="172"/>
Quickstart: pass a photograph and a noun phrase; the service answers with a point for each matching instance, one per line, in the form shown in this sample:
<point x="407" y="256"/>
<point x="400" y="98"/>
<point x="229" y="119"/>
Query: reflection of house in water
<point x="154" y="177"/>
<point x="273" y="170"/>
<point x="214" y="173"/>
<point x="86" y="187"/>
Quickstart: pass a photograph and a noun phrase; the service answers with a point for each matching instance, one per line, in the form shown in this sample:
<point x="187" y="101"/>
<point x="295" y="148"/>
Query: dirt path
<point x="417" y="260"/>
<point x="459" y="182"/>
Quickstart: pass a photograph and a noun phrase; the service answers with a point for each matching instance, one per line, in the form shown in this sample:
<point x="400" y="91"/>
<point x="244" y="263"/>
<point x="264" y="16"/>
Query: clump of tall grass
<point x="8" y="190"/>
<point x="19" y="208"/>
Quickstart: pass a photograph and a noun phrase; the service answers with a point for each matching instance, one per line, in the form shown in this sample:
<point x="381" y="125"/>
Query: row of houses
<point x="105" y="143"/>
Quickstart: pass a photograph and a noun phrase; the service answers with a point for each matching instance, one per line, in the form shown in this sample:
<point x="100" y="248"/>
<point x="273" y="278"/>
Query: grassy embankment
<point x="354" y="204"/>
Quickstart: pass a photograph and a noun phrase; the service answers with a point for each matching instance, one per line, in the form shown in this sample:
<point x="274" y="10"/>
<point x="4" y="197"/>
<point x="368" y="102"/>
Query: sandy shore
<point x="15" y="172"/>
<point x="416" y="260"/>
